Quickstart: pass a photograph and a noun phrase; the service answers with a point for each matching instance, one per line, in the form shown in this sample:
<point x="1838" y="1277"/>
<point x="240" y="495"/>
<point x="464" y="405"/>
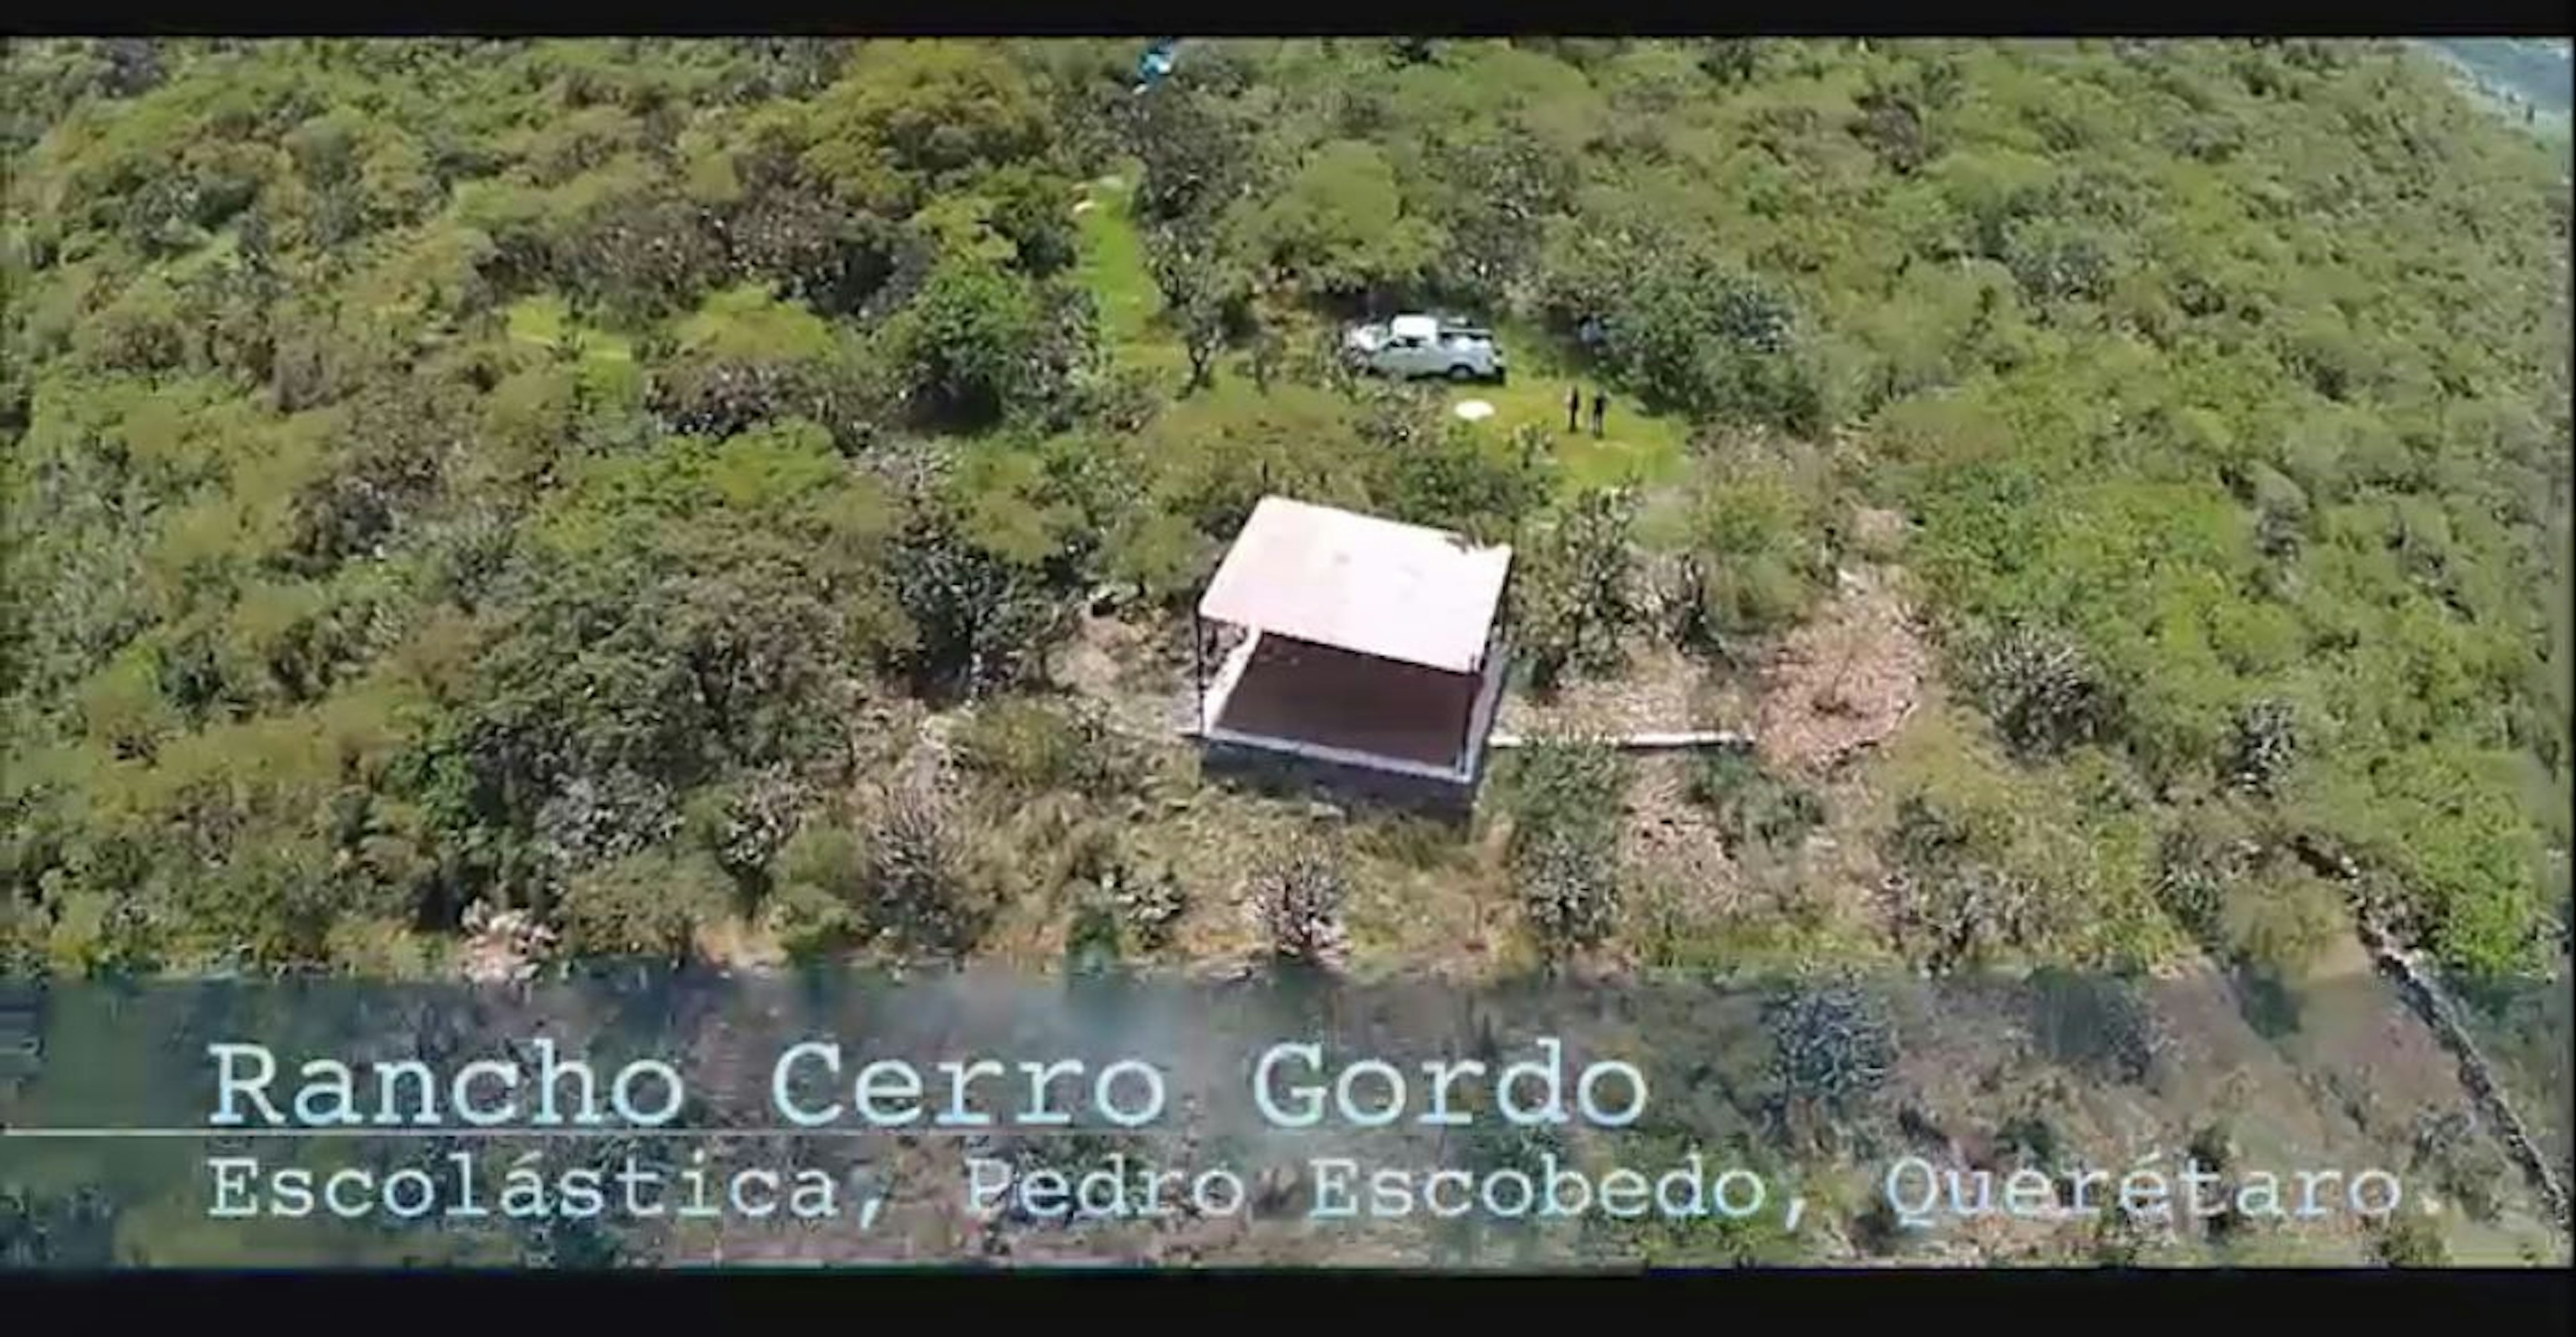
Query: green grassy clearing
<point x="1636" y="448"/>
<point x="547" y="322"/>
<point x="1112" y="267"/>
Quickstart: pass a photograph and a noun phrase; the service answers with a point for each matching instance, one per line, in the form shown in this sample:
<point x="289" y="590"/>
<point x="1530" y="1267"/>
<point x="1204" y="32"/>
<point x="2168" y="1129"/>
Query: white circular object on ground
<point x="1475" y="410"/>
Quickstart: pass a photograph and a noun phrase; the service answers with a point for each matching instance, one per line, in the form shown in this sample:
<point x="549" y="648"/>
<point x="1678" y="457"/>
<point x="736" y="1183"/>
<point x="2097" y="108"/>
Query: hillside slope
<point x="453" y="471"/>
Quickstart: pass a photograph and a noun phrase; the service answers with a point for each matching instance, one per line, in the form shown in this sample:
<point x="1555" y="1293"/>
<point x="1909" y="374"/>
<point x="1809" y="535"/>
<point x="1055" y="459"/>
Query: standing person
<point x="1265" y="355"/>
<point x="1600" y="406"/>
<point x="1573" y="406"/>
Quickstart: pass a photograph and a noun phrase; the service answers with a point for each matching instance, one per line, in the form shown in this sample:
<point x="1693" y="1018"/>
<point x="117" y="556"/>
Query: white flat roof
<point x="1362" y="584"/>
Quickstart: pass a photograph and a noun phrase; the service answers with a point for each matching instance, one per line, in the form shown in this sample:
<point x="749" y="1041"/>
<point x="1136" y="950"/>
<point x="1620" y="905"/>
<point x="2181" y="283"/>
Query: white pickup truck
<point x="1414" y="346"/>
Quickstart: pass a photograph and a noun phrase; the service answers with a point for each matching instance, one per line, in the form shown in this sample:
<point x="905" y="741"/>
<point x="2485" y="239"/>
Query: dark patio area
<point x="1311" y="693"/>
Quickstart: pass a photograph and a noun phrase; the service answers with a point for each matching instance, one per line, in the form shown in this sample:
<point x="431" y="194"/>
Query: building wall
<point x="1284" y="775"/>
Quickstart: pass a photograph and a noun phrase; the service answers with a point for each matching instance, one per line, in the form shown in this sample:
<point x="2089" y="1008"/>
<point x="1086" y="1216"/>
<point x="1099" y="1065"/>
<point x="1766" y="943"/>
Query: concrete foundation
<point x="1286" y="776"/>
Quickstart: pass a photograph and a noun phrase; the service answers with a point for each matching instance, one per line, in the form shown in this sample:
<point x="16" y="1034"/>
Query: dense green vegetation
<point x="450" y="471"/>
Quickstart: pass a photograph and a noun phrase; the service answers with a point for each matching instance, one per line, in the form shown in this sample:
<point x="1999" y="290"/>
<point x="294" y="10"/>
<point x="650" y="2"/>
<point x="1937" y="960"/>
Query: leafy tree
<point x="1689" y="332"/>
<point x="909" y="120"/>
<point x="642" y="254"/>
<point x="966" y="341"/>
<point x="1203" y="296"/>
<point x="977" y="621"/>
<point x="1339" y="227"/>
<point x="795" y="237"/>
<point x="1574" y="599"/>
<point x="646" y="904"/>
<point x="1027" y="210"/>
<point x="1195" y="156"/>
<point x="1491" y="186"/>
<point x="1470" y="482"/>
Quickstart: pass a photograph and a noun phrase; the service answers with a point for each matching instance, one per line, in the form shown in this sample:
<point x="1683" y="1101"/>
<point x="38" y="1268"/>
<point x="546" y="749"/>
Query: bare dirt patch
<point x="1129" y="671"/>
<point x="1877" y="534"/>
<point x="1670" y="839"/>
<point x="1845" y="681"/>
<point x="1659" y="690"/>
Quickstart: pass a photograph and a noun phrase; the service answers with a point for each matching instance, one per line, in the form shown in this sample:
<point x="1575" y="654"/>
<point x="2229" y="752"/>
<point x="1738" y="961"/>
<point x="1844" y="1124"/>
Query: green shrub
<point x="809" y="923"/>
<point x="924" y="889"/>
<point x="1467" y="481"/>
<point x="647" y="904"/>
<point x="978" y="622"/>
<point x="1719" y="599"/>
<point x="1750" y="555"/>
<point x="2459" y="1159"/>
<point x="2197" y="862"/>
<point x="2040" y="688"/>
<point x="2281" y="926"/>
<point x="1564" y="788"/>
<point x="827" y="856"/>
<point x="817" y="904"/>
<point x="1569" y="891"/>
<point x="1115" y="900"/>
<point x="1573" y="598"/>
<point x="745" y="824"/>
<point x="1752" y="806"/>
<point x="2410" y="1239"/>
<point x="1149" y="905"/>
<point x="1030" y="746"/>
<point x="1093" y="942"/>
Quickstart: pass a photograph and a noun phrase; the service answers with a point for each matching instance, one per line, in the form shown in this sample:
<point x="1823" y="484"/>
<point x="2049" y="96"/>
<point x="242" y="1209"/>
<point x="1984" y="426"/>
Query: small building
<point x="1366" y="655"/>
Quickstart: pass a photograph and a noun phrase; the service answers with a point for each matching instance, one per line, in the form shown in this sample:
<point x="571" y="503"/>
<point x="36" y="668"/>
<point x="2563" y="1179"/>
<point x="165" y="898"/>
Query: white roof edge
<point x="1362" y="584"/>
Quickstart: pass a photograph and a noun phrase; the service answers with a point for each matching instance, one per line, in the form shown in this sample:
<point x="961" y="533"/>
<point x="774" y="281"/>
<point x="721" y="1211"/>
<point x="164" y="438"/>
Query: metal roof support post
<point x="1198" y="669"/>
